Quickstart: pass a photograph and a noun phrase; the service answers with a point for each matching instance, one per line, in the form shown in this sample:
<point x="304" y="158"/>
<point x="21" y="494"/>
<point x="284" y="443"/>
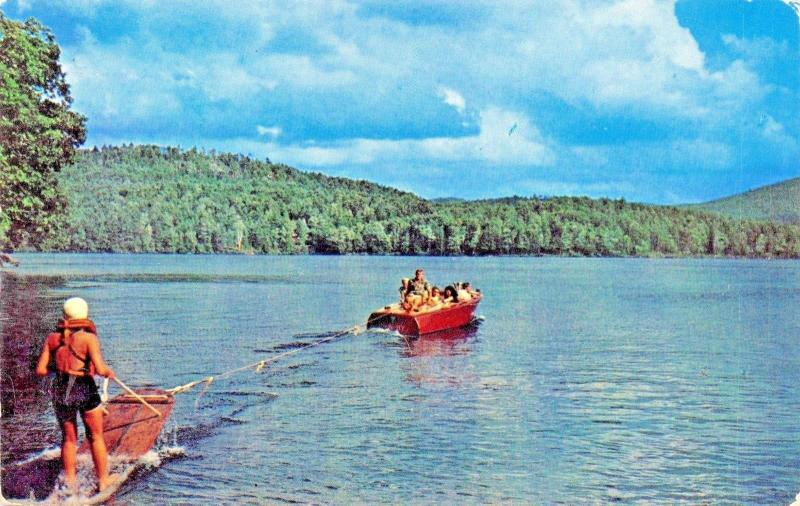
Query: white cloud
<point x="222" y="78"/>
<point x="273" y="131"/>
<point x="772" y="127"/>
<point x="625" y="55"/>
<point x="775" y="132"/>
<point x="120" y="89"/>
<point x="492" y="146"/>
<point x="452" y="98"/>
<point x="630" y="55"/>
<point x="655" y="24"/>
<point x="795" y="5"/>
<point x="301" y="72"/>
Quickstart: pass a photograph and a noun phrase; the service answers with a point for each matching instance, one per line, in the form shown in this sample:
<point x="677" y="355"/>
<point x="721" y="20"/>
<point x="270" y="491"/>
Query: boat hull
<point x="130" y="428"/>
<point x="412" y="323"/>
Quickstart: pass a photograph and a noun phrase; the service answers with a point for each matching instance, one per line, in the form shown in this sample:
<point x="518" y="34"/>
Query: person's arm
<point x="100" y="366"/>
<point x="44" y="360"/>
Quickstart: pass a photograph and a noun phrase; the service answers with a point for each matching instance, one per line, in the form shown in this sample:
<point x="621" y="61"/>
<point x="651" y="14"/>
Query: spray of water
<point x="85" y="491"/>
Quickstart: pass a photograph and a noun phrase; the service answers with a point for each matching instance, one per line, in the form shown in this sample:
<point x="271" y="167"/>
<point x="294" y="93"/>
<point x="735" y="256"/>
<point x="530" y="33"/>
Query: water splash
<point x="85" y="491"/>
<point x="46" y="454"/>
<point x="123" y="468"/>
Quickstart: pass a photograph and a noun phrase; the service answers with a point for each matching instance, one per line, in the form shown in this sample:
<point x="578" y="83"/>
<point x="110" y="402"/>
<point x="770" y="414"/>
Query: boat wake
<point x="317" y="335"/>
<point x="385" y="332"/>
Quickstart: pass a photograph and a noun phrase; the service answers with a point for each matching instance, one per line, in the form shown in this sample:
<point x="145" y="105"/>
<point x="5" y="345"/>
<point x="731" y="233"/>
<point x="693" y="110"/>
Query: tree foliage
<point x="146" y="198"/>
<point x="778" y="202"/>
<point x="38" y="131"/>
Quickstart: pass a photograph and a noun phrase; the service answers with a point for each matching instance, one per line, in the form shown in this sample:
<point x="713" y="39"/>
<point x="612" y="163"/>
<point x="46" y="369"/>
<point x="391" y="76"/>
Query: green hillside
<point x="152" y="199"/>
<point x="778" y="202"/>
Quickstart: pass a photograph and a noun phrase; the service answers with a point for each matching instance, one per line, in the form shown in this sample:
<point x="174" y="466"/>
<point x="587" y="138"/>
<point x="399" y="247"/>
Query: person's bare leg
<point x="69" y="450"/>
<point x="93" y="420"/>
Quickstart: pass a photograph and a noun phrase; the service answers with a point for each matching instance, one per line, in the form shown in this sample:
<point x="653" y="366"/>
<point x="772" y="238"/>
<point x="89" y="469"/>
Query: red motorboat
<point x="425" y="320"/>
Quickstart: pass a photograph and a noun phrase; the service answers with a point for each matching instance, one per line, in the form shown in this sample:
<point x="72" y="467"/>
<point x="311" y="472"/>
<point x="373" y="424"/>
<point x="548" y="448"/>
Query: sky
<point x="653" y="101"/>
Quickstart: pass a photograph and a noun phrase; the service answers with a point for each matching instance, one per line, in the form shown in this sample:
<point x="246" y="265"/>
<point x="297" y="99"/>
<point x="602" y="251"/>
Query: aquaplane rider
<point x="72" y="352"/>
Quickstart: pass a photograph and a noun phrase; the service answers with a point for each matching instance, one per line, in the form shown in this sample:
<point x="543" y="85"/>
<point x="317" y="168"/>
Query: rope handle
<point x="137" y="397"/>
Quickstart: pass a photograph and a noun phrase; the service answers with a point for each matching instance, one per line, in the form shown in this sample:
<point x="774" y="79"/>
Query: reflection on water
<point x="434" y="358"/>
<point x="632" y="381"/>
<point x="442" y="343"/>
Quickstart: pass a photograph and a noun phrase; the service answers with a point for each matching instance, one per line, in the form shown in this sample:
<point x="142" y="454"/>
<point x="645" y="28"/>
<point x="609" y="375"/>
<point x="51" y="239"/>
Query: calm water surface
<point x="588" y="381"/>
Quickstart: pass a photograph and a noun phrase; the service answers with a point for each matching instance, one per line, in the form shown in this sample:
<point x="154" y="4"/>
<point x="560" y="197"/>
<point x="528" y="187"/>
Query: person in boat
<point x="404" y="291"/>
<point x="435" y="300"/>
<point x="72" y="352"/>
<point x="472" y="291"/>
<point x="463" y="294"/>
<point x="450" y="295"/>
<point x="418" y="290"/>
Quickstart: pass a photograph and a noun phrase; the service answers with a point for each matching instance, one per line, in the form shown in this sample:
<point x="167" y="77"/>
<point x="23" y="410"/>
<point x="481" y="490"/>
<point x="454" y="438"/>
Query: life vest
<point x="64" y="330"/>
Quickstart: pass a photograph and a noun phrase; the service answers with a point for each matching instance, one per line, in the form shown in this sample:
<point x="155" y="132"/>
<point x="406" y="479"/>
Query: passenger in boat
<point x="435" y="301"/>
<point x="418" y="290"/>
<point x="450" y="295"/>
<point x="419" y="284"/>
<point x="404" y="284"/>
<point x="72" y="352"/>
<point x="466" y="286"/>
<point x="404" y="287"/>
<point x="413" y="301"/>
<point x="463" y="293"/>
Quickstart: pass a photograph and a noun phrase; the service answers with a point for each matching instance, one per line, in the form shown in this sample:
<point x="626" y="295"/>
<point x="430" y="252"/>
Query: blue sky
<point x="654" y="101"/>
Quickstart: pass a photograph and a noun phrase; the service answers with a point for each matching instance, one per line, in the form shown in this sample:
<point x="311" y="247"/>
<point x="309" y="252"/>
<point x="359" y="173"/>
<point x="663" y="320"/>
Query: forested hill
<point x="777" y="202"/>
<point x="146" y="198"/>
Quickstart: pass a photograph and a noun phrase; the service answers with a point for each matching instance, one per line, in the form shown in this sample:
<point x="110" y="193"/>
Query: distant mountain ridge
<point x="779" y="202"/>
<point x="169" y="200"/>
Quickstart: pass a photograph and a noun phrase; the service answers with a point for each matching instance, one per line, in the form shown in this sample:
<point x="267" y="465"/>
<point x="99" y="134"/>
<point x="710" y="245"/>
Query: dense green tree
<point x="38" y="132"/>
<point x="146" y="198"/>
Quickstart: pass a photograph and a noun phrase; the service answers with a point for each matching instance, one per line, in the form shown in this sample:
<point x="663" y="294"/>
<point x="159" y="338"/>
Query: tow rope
<point x="259" y="366"/>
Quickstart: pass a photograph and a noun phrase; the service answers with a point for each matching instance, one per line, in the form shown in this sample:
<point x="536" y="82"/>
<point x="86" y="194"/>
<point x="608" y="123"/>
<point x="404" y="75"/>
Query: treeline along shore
<point x="168" y="200"/>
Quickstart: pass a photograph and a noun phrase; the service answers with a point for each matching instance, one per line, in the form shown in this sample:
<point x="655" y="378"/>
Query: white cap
<point x="76" y="309"/>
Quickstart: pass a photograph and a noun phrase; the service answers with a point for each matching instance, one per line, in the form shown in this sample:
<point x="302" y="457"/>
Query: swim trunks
<point x="73" y="394"/>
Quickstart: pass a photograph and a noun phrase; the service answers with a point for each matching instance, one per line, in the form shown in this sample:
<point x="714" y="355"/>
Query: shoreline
<point x="399" y="255"/>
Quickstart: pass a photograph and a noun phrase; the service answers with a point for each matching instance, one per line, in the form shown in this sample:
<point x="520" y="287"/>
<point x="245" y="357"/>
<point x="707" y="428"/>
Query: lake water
<point x="588" y="380"/>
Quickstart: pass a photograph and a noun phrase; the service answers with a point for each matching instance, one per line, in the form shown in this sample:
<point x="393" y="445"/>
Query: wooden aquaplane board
<point x="130" y="431"/>
<point x="131" y="428"/>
